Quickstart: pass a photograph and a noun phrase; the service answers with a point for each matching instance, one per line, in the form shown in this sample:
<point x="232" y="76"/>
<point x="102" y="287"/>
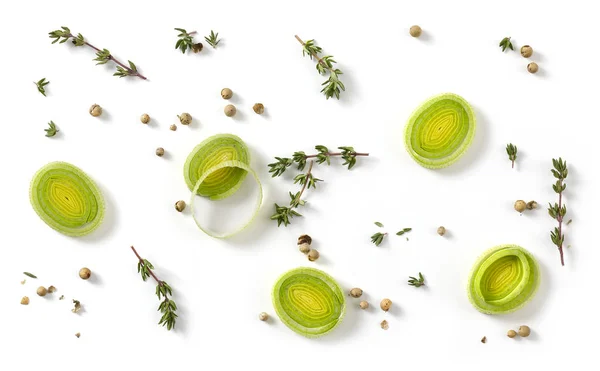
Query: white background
<point x="221" y="286"/>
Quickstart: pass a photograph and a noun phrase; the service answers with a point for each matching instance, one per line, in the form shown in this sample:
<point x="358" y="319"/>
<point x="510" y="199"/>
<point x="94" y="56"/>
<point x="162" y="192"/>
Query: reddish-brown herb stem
<point x="131" y="72"/>
<point x="308" y="176"/>
<point x="149" y="270"/>
<point x="337" y="154"/>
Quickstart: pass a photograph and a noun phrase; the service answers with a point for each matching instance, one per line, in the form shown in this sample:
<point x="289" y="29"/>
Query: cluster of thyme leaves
<point x="103" y="56"/>
<point x="378" y="237"/>
<point x="41" y="84"/>
<point x="167" y="306"/>
<point x="52" y="130"/>
<point x="416" y="282"/>
<point x="283" y="214"/>
<point x="186" y="41"/>
<point x="212" y="39"/>
<point x="511" y="150"/>
<point x="506" y="44"/>
<point x="559" y="209"/>
<point x="332" y="86"/>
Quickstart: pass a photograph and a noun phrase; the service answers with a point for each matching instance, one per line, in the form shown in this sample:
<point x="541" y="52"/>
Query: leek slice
<point x="503" y="280"/>
<point x="210" y="153"/>
<point x="309" y="301"/>
<point x="440" y="131"/>
<point x="218" y="169"/>
<point x="66" y="199"/>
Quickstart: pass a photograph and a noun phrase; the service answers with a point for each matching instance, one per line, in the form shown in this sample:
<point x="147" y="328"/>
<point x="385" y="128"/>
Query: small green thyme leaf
<point x="377" y="238"/>
<point x="416" y="282"/>
<point x="506" y="44"/>
<point x="41" y="84"/>
<point x="569" y="222"/>
<point x="400" y="233"/>
<point x="379" y="224"/>
<point x="511" y="150"/>
<point x="52" y="130"/>
<point x="30" y="274"/>
<point x="212" y="39"/>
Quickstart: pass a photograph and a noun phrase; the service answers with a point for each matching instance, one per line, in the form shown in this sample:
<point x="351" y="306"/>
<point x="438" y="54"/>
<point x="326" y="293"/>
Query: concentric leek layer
<point x="503" y="280"/>
<point x="211" y="152"/>
<point x="237" y="165"/>
<point x="440" y="131"/>
<point x="309" y="301"/>
<point x="66" y="199"/>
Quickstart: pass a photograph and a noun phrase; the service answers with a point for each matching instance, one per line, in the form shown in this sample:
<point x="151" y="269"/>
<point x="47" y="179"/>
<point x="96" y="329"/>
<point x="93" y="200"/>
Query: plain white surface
<point x="221" y="286"/>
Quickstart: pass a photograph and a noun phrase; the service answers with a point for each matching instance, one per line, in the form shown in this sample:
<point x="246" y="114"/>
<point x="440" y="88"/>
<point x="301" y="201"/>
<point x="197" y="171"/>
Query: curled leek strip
<point x="503" y="280"/>
<point x="440" y="131"/>
<point x="210" y="153"/>
<point x="219" y="169"/>
<point x="66" y="199"/>
<point x="309" y="301"/>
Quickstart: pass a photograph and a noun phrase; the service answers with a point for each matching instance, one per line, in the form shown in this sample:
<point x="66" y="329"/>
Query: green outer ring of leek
<point x="74" y="206"/>
<point x="292" y="295"/>
<point x="211" y="152"/>
<point x="452" y="138"/>
<point x="503" y="280"/>
<point x="206" y="174"/>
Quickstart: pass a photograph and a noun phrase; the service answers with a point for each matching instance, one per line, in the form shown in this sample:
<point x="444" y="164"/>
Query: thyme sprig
<point x="332" y="86"/>
<point x="40" y="86"/>
<point x="378" y="237"/>
<point x="506" y="44"/>
<point x="186" y="41"/>
<point x="212" y="39"/>
<point x="416" y="282"/>
<point x="511" y="150"/>
<point x="283" y="214"/>
<point x="167" y="306"/>
<point x="52" y="130"/>
<point x="102" y="55"/>
<point x="559" y="210"/>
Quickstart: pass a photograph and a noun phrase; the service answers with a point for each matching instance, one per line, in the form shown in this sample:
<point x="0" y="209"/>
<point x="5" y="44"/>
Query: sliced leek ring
<point x="219" y="169"/>
<point x="66" y="199"/>
<point x="210" y="153"/>
<point x="440" y="131"/>
<point x="503" y="280"/>
<point x="309" y="301"/>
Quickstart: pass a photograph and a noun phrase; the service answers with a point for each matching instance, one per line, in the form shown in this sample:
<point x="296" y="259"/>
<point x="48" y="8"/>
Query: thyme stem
<point x="319" y="60"/>
<point x="131" y="72"/>
<point x="337" y="154"/>
<point x="560" y="220"/>
<point x="308" y="177"/>
<point x="149" y="270"/>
